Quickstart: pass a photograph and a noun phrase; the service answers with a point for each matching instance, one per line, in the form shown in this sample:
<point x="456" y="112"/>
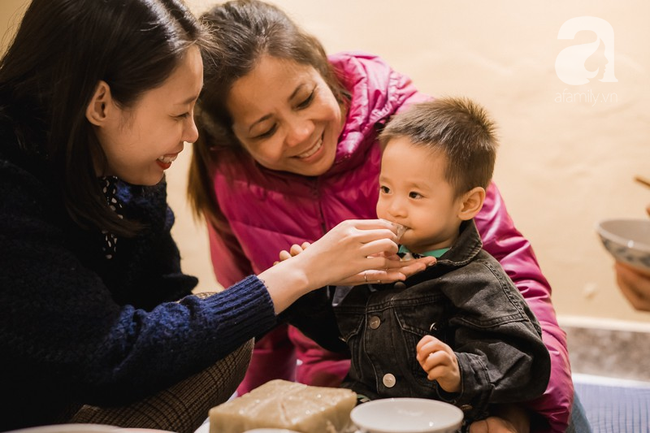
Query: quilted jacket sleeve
<point x="228" y="260"/>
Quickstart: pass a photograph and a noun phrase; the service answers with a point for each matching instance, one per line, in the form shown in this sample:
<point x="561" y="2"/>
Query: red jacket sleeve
<point x="228" y="259"/>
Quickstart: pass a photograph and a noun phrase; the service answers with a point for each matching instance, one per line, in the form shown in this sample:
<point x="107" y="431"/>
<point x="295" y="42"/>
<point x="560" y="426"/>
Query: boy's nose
<point x="396" y="208"/>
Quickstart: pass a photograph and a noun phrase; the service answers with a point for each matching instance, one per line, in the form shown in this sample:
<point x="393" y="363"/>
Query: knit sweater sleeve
<point x="140" y="352"/>
<point x="60" y="323"/>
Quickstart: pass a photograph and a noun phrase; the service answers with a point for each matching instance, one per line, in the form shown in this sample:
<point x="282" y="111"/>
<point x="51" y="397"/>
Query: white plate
<point x="69" y="428"/>
<point x="205" y="428"/>
<point x="86" y="428"/>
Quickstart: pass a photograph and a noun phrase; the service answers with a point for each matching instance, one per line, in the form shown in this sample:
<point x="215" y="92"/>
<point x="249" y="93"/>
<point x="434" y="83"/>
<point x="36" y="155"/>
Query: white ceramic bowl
<point x="406" y="415"/>
<point x="627" y="240"/>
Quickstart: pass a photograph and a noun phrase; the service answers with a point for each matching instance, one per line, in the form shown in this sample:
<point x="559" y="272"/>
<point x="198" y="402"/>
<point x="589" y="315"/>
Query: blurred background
<point x="572" y="137"/>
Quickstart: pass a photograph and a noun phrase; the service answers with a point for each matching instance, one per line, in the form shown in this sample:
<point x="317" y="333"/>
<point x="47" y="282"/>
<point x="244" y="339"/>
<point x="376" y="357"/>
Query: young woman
<point x="289" y="148"/>
<point x="96" y="102"/>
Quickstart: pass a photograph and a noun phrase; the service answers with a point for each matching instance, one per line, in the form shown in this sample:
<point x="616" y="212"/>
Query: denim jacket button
<point x="374" y="322"/>
<point x="466" y="407"/>
<point x="400" y="285"/>
<point x="389" y="380"/>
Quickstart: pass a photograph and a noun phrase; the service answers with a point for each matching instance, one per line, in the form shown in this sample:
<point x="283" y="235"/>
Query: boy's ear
<point x="97" y="109"/>
<point x="471" y="203"/>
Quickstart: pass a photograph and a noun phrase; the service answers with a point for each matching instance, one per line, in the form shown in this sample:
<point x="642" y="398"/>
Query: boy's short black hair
<point x="458" y="127"/>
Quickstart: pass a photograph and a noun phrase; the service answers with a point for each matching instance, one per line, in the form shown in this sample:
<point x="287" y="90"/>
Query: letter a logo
<point x="579" y="64"/>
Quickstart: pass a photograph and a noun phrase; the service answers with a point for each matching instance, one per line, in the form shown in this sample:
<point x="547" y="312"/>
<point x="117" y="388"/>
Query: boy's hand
<point x="293" y="251"/>
<point x="505" y="418"/>
<point x="439" y="362"/>
<point x="493" y="424"/>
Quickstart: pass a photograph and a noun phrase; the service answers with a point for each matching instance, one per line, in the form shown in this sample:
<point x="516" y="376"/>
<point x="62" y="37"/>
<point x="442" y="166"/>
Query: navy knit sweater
<point x="76" y="327"/>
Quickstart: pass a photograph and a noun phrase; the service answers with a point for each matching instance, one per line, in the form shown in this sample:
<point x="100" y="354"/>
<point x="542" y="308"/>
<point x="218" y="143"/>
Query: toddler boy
<point x="459" y="331"/>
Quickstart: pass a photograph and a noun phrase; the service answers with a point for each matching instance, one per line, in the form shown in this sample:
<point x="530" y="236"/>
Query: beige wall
<point x="563" y="163"/>
<point x="10" y="13"/>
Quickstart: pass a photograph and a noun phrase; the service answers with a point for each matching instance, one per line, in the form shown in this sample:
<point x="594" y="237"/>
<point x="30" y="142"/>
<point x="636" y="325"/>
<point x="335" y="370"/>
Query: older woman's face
<point x="286" y="117"/>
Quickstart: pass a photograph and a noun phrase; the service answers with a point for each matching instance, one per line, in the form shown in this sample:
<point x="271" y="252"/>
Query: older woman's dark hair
<point x="48" y="76"/>
<point x="243" y="32"/>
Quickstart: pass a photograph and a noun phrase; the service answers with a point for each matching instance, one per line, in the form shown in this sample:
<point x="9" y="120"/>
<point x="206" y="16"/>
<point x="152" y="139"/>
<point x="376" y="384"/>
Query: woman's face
<point x="141" y="142"/>
<point x="285" y="115"/>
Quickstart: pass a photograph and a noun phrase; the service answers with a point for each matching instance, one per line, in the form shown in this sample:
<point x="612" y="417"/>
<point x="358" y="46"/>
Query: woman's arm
<point x="634" y="283"/>
<point x="59" y="314"/>
<point x="514" y="252"/>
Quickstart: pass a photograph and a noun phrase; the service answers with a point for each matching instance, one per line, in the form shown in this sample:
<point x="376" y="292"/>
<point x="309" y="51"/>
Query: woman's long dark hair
<point x="50" y="72"/>
<point x="243" y="31"/>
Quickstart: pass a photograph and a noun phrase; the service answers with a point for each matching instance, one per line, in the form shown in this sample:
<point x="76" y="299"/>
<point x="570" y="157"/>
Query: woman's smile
<point x="311" y="151"/>
<point x="165" y="161"/>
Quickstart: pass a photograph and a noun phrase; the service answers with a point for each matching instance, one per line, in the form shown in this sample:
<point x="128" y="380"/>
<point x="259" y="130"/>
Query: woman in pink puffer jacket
<point x="289" y="149"/>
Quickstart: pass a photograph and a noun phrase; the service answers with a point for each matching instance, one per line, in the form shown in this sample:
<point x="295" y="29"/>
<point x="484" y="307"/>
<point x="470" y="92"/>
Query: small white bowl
<point x="407" y="415"/>
<point x="627" y="240"/>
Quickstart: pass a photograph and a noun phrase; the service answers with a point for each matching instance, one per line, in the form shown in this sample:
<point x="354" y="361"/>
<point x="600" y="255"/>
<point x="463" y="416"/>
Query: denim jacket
<point x="466" y="300"/>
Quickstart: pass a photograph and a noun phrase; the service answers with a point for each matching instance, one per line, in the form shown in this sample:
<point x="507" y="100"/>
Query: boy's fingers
<point x="295" y="250"/>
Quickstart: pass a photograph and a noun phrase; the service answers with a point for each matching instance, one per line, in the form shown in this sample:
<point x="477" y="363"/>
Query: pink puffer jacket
<point x="268" y="211"/>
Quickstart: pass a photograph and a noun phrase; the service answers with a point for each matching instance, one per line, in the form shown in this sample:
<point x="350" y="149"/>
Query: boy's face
<point x="413" y="192"/>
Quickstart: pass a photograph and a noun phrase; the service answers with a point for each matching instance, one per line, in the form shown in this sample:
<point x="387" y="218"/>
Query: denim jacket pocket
<point x="350" y="322"/>
<point x="415" y="321"/>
